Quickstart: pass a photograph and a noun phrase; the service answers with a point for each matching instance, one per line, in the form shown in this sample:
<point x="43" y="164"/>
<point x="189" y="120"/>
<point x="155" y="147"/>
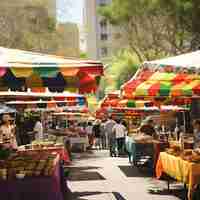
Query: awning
<point x="22" y="69"/>
<point x="174" y="76"/>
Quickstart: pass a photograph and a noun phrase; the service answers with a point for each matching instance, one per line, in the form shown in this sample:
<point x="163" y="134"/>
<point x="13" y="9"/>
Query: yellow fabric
<point x="22" y="72"/>
<point x="142" y="89"/>
<point x="181" y="170"/>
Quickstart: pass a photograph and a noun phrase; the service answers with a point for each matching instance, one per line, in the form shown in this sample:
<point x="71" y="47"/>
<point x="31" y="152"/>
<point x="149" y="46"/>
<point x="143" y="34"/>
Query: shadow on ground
<point x="118" y="196"/>
<point x="132" y="171"/>
<point x="160" y="188"/>
<point x="177" y="192"/>
<point x="84" y="174"/>
<point x="81" y="195"/>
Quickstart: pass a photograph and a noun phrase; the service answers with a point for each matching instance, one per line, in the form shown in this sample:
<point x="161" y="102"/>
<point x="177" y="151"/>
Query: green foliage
<point x="157" y="28"/>
<point x="51" y="24"/>
<point x="121" y="68"/>
<point x="83" y="55"/>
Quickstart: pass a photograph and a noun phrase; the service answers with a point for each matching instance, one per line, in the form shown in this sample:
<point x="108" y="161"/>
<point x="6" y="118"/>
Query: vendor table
<point x="64" y="156"/>
<point x="40" y="188"/>
<point x="156" y="146"/>
<point x="179" y="169"/>
<point x="79" y="141"/>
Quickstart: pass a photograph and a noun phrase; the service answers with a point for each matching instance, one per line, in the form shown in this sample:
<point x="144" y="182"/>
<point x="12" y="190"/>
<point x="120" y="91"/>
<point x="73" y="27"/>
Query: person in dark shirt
<point x="97" y="133"/>
<point x="148" y="128"/>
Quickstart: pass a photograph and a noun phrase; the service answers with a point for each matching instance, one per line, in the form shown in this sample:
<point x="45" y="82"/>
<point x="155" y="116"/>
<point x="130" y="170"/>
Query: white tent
<point x="188" y="60"/>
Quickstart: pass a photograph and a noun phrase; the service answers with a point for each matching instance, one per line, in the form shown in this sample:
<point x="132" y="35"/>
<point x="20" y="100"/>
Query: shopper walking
<point x="97" y="133"/>
<point x="38" y="129"/>
<point x="88" y="130"/>
<point x="103" y="135"/>
<point x="111" y="138"/>
<point x="120" y="131"/>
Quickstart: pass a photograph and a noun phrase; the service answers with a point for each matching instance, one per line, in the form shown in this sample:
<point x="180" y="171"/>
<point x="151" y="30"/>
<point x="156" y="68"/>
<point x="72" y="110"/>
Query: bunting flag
<point x="21" y="69"/>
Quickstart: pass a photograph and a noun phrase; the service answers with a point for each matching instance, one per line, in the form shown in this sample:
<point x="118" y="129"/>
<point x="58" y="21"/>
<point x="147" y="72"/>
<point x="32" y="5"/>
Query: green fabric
<point x="131" y="104"/>
<point x="187" y="90"/>
<point x="46" y="72"/>
<point x="165" y="88"/>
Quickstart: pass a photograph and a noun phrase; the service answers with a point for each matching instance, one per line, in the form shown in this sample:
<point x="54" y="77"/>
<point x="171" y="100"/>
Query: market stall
<point x="22" y="69"/>
<point x="35" y="176"/>
<point x="182" y="166"/>
<point x="71" y="126"/>
<point x="142" y="148"/>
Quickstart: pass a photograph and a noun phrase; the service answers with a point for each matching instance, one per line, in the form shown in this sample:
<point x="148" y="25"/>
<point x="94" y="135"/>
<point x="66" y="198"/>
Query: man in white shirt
<point x="109" y="124"/>
<point x="120" y="134"/>
<point x="38" y="129"/>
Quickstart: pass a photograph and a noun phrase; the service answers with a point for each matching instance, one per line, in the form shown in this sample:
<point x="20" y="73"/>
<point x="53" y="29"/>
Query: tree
<point x="120" y="69"/>
<point x="156" y="28"/>
<point x="28" y="28"/>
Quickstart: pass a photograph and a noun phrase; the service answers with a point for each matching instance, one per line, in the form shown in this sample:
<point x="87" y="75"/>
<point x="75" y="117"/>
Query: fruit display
<point x="37" y="145"/>
<point x="189" y="155"/>
<point x="22" y="166"/>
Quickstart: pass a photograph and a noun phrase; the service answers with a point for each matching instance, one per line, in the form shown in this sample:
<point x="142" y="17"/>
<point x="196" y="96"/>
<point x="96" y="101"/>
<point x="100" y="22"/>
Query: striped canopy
<point x="21" y="69"/>
<point x="177" y="76"/>
<point x="164" y="84"/>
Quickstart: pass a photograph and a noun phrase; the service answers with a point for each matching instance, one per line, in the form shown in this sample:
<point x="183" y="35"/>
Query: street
<point x="96" y="176"/>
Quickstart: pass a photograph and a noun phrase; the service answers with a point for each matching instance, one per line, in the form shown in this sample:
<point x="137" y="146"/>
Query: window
<point x="104" y="51"/>
<point x="104" y="36"/>
<point x="102" y="3"/>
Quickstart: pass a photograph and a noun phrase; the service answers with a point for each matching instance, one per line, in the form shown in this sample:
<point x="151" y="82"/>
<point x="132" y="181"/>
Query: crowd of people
<point x="12" y="135"/>
<point x="107" y="134"/>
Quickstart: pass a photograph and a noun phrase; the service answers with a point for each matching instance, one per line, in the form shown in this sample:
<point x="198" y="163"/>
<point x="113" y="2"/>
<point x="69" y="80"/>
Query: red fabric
<point x="154" y="89"/>
<point x="87" y="83"/>
<point x="98" y="70"/>
<point x="41" y="89"/>
<point x="131" y="85"/>
<point x="196" y="90"/>
<point x="2" y="71"/>
<point x="180" y="78"/>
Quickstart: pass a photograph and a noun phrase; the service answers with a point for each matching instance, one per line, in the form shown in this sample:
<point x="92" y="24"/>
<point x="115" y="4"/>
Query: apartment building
<point x="102" y="39"/>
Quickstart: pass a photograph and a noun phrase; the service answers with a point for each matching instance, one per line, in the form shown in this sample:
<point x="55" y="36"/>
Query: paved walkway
<point x="96" y="176"/>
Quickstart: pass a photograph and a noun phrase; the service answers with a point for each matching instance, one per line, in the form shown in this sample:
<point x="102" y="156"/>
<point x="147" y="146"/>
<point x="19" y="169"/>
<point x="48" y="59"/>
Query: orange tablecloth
<point x="181" y="170"/>
<point x="59" y="150"/>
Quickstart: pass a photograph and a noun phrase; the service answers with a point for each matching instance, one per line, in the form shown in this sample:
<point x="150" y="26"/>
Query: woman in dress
<point x="7" y="132"/>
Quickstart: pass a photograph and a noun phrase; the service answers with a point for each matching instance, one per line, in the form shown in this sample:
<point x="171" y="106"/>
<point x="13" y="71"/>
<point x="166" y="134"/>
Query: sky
<point x="70" y="11"/>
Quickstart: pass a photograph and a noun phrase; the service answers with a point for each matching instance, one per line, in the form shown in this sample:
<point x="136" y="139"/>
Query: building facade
<point x="102" y="39"/>
<point x="69" y="40"/>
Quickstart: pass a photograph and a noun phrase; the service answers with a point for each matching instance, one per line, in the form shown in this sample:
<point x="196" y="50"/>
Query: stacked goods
<point x="191" y="155"/>
<point x="174" y="150"/>
<point x="39" y="145"/>
<point x="187" y="155"/>
<point x="142" y="138"/>
<point x="17" y="166"/>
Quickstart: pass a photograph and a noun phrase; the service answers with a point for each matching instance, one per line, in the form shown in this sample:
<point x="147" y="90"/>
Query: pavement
<point x="96" y="176"/>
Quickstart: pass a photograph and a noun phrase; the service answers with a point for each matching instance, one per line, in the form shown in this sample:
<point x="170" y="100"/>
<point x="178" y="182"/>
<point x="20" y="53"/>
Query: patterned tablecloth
<point x="32" y="188"/>
<point x="179" y="169"/>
